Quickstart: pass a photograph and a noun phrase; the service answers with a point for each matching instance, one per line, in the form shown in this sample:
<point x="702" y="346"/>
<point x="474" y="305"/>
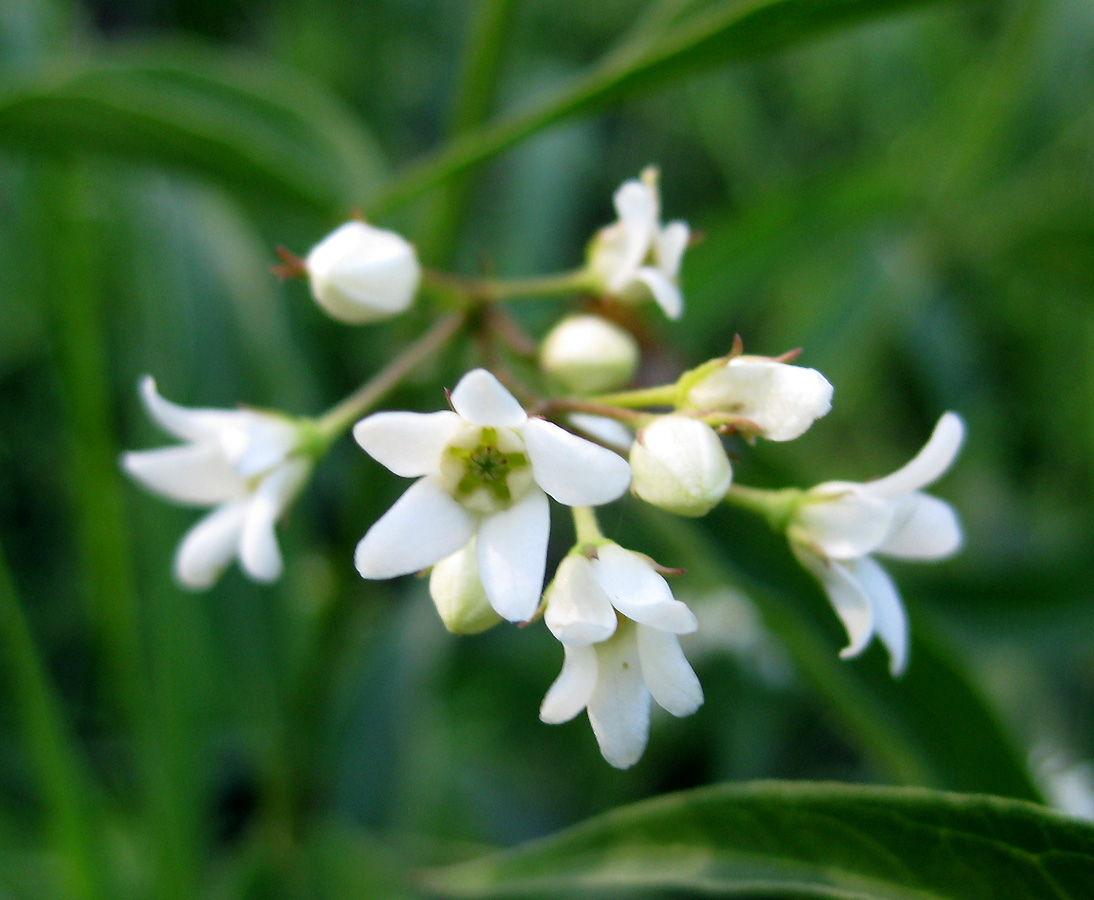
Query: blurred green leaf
<point x="248" y="125"/>
<point x="726" y="32"/>
<point x="792" y="840"/>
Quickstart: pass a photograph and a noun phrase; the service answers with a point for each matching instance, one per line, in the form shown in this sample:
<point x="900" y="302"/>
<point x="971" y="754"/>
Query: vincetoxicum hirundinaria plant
<point x="486" y="468"/>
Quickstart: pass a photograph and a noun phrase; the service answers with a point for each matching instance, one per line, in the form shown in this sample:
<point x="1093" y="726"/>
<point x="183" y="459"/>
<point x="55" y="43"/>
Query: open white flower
<point x="837" y="525"/>
<point x="359" y="273"/>
<point x="637" y="258"/>
<point x="614" y="680"/>
<point x="483" y="469"/>
<point x="781" y="399"/>
<point x="242" y="462"/>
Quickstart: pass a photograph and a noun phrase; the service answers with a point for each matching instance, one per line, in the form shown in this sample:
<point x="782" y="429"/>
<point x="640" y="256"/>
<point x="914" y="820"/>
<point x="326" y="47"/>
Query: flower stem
<point x="332" y="424"/>
<point x="775" y="506"/>
<point x="478" y="291"/>
<point x="662" y="395"/>
<point x="586" y="525"/>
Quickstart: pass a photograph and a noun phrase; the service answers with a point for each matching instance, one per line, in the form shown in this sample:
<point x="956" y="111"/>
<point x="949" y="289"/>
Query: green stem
<point x="775" y="506"/>
<point x="337" y="420"/>
<point x="662" y="395"/>
<point x="586" y="525"/>
<point x="479" y="291"/>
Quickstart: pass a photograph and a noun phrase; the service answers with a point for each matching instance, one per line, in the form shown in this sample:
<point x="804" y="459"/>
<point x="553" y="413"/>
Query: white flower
<point x="636" y="257"/>
<point x="837" y="525"/>
<point x="679" y="464"/>
<point x="360" y="274"/>
<point x="484" y="469"/>
<point x="615" y="663"/>
<point x="588" y="354"/>
<point x="240" y="461"/>
<point x="781" y="399"/>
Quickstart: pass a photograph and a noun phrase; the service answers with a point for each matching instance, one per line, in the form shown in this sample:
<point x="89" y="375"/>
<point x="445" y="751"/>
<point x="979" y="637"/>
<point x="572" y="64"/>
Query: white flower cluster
<point x="478" y="513"/>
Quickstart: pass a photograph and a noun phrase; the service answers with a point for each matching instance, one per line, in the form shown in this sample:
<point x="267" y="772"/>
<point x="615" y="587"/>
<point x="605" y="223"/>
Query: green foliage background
<point x="905" y="190"/>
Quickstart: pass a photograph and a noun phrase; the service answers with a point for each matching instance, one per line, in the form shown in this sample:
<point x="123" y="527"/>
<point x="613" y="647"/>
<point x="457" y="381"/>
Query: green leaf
<point x="787" y="840"/>
<point x="726" y="32"/>
<point x="246" y="125"/>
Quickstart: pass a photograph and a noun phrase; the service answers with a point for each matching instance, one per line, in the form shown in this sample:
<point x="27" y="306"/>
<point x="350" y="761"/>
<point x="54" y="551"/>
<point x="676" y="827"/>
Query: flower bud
<point x="458" y="594"/>
<point x="587" y="354"/>
<point x="361" y="274"/>
<point x="679" y="464"/>
<point x="781" y="399"/>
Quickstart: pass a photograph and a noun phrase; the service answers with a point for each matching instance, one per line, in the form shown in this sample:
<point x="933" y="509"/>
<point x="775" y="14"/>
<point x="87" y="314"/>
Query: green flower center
<point x="486" y="469"/>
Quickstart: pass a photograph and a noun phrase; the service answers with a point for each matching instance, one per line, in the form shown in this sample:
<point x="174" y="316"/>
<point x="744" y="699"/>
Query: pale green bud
<point x="587" y="354"/>
<point x="679" y="464"/>
<point x="458" y="593"/>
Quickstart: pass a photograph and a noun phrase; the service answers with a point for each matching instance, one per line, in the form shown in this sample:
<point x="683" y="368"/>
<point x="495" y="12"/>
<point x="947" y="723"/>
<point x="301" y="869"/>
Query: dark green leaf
<point x="242" y="123"/>
<point x="787" y="840"/>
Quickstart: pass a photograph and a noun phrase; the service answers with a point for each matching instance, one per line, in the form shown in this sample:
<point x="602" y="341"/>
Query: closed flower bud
<point x="458" y="594"/>
<point x="361" y="274"/>
<point x="781" y="400"/>
<point x="679" y="464"/>
<point x="587" y="354"/>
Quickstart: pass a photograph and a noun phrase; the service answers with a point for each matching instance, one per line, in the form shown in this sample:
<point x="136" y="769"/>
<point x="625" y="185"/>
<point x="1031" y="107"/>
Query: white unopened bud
<point x="458" y="594"/>
<point x="361" y="274"/>
<point x="679" y="464"/>
<point x="782" y="400"/>
<point x="587" y="354"/>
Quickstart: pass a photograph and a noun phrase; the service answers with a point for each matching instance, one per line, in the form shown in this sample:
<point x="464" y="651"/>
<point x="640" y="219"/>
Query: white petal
<point x="890" y="620"/>
<point x="843" y="520"/>
<point x="409" y="444"/>
<point x="664" y="291"/>
<point x="847" y="596"/>
<point x="196" y="474"/>
<point x="671" y="244"/>
<point x="423" y="527"/>
<point x="925" y="528"/>
<point x="638" y="209"/>
<point x="929" y="464"/>
<point x="512" y="554"/>
<point x="258" y="442"/>
<point x="573" y="687"/>
<point x="574" y="471"/>
<point x="578" y="610"/>
<point x="637" y="591"/>
<point x="188" y="424"/>
<point x="259" y="554"/>
<point x="619" y="709"/>
<point x="209" y="546"/>
<point x="611" y="432"/>
<point x="483" y="400"/>
<point x="667" y="673"/>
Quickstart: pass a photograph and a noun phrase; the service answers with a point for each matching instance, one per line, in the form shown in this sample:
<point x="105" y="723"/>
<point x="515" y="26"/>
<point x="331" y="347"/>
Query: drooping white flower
<point x="838" y="525"/>
<point x="637" y="258"/>
<point x="678" y="463"/>
<point x="484" y="469"/>
<point x="782" y="400"/>
<point x="618" y="623"/>
<point x="244" y="463"/>
<point x="359" y="273"/>
<point x="587" y="354"/>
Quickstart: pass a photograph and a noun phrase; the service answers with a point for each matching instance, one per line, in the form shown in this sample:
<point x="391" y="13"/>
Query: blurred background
<point x="910" y="199"/>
